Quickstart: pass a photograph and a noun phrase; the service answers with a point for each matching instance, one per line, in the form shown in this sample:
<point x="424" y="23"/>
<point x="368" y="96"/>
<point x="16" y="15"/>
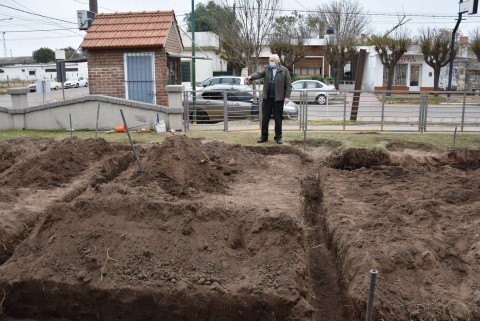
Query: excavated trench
<point x="218" y="232"/>
<point x="115" y="245"/>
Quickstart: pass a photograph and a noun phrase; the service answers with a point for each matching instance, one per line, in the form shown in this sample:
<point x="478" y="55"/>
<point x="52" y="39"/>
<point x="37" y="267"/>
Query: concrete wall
<point x="55" y="116"/>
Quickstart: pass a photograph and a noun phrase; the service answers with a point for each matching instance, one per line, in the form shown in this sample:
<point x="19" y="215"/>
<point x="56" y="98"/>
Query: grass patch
<point x="332" y="139"/>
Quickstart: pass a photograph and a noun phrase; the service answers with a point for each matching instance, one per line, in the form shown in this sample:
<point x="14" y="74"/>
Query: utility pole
<point x="193" y="45"/>
<point x="452" y="51"/>
<point x="194" y="98"/>
<point x="4" y="46"/>
<point x="4" y="42"/>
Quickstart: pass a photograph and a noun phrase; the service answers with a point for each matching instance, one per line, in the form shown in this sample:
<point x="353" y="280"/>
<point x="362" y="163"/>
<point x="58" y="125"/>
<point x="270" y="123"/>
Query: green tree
<point x="390" y="48"/>
<point x="206" y="17"/>
<point x="435" y="47"/>
<point x="475" y="42"/>
<point x="288" y="38"/>
<point x="44" y="55"/>
<point x="249" y="33"/>
<point x="71" y="53"/>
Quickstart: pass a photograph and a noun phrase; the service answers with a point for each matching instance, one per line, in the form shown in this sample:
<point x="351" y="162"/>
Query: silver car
<point x="316" y="91"/>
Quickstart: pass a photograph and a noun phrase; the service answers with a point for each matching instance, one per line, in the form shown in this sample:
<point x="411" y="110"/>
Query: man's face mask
<point x="273" y="64"/>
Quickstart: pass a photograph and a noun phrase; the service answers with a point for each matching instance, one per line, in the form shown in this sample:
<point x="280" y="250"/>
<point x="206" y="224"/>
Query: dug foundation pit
<point x="212" y="231"/>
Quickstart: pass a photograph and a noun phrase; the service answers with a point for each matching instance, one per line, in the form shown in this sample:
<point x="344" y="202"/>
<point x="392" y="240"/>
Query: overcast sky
<point x="22" y="34"/>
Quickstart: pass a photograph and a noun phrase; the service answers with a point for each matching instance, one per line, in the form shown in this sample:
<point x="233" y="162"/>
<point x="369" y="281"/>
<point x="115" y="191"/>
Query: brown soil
<point x="210" y="231"/>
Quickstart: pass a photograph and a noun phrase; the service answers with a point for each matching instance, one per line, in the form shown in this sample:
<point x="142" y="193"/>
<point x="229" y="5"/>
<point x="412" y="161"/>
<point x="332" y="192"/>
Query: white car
<point x="54" y="85"/>
<point x="76" y="82"/>
<point x="316" y="91"/>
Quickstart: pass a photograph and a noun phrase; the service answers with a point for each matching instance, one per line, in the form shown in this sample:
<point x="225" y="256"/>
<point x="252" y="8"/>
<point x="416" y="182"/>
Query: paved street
<point x="36" y="98"/>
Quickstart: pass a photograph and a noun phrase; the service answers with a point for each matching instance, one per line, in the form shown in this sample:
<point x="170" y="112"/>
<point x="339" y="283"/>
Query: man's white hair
<point x="275" y="57"/>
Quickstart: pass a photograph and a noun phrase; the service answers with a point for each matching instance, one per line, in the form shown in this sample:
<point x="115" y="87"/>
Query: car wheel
<point x="321" y="99"/>
<point x="86" y="84"/>
<point x="77" y="85"/>
<point x="202" y="117"/>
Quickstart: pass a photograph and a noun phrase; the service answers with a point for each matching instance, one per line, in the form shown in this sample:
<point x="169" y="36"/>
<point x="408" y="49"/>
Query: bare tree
<point x="390" y="48"/>
<point x="475" y="42"/>
<point x="288" y="38"/>
<point x="348" y="21"/>
<point x="435" y="46"/>
<point x="244" y="38"/>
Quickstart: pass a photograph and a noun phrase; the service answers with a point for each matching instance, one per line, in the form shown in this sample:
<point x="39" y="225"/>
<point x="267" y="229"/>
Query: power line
<point x="36" y="14"/>
<point x="41" y="30"/>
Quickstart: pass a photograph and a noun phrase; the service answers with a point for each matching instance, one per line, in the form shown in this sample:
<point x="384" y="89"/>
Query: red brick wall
<point x="105" y="73"/>
<point x="173" y="44"/>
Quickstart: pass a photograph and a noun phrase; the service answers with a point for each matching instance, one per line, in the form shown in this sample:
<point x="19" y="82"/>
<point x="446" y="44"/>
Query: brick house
<point x="134" y="55"/>
<point x="314" y="64"/>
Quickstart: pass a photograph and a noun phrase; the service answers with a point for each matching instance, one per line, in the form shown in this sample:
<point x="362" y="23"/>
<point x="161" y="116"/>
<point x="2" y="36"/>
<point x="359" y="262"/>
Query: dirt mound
<point x="354" y="158"/>
<point x="218" y="232"/>
<point x="182" y="168"/>
<point x="57" y="164"/>
<point x="235" y="157"/>
<point x="418" y="227"/>
<point x="14" y="150"/>
<point x="317" y="142"/>
<point x="126" y="249"/>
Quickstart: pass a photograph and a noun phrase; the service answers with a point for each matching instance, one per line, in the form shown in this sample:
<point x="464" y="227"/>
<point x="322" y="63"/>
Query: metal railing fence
<point x="345" y="110"/>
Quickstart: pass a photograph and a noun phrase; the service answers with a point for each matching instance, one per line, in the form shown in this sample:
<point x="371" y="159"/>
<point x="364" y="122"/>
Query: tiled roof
<point x="16" y="60"/>
<point x="129" y="29"/>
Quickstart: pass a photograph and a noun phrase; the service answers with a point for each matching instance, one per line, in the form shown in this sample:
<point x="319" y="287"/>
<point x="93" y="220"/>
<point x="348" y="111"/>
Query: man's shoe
<point x="279" y="141"/>
<point x="262" y="140"/>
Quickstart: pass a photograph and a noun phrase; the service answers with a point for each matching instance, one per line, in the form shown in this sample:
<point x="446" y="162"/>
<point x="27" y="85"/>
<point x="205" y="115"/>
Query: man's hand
<point x="286" y="101"/>
<point x="247" y="79"/>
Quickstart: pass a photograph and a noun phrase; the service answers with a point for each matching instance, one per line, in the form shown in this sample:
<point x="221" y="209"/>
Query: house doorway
<point x="140" y="77"/>
<point x="414" y="84"/>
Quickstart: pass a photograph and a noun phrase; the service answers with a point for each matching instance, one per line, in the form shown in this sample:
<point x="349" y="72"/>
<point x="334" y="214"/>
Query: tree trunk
<point x="338" y="75"/>
<point x="237" y="70"/>
<point x="436" y="78"/>
<point x="391" y="70"/>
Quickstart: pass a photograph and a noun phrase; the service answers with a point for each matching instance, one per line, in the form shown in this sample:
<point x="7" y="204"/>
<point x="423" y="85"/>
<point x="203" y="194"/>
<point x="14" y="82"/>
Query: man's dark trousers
<point x="269" y="107"/>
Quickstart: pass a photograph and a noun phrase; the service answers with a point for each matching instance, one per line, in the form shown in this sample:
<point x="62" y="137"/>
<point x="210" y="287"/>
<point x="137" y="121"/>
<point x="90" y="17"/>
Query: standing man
<point x="276" y="93"/>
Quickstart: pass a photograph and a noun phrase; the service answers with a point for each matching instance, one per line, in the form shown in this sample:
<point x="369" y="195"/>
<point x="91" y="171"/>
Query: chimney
<point x="93" y="6"/>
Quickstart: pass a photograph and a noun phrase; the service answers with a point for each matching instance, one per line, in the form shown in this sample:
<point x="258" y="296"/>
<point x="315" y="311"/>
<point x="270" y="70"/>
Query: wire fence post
<point x="96" y="126"/>
<point x="225" y="111"/>
<point x="463" y="110"/>
<point x="131" y="142"/>
<point x="345" y="110"/>
<point x="454" y="137"/>
<point x="186" y="115"/>
<point x="373" y="279"/>
<point x="304" y="108"/>
<point x="426" y="113"/>
<point x="382" y="121"/>
<point x="71" y="128"/>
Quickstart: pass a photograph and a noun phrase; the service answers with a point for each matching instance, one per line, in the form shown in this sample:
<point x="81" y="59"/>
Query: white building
<point x="33" y="72"/>
<point x="208" y="46"/>
<point x="412" y="73"/>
